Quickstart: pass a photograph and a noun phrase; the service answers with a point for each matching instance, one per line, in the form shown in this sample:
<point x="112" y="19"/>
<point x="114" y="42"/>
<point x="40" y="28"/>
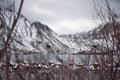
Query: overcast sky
<point x="64" y="16"/>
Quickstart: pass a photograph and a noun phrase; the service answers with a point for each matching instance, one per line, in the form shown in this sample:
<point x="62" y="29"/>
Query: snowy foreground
<point x="60" y="72"/>
<point x="46" y="67"/>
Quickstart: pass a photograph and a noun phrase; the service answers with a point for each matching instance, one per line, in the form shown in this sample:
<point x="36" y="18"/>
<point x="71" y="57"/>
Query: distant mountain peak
<point x="39" y="26"/>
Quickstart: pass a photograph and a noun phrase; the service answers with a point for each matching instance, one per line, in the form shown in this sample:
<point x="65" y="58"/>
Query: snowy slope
<point x="85" y="41"/>
<point x="77" y="41"/>
<point x="27" y="36"/>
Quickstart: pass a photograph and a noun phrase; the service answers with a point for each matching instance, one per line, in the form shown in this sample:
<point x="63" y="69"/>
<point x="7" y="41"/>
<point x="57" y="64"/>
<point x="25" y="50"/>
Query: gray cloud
<point x="63" y="16"/>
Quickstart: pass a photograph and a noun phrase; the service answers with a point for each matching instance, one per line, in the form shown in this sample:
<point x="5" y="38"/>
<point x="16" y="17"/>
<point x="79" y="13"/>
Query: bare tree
<point x="10" y="30"/>
<point x="108" y="32"/>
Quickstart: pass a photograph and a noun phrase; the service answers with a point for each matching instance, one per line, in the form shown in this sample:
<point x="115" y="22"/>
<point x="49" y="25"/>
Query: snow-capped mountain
<point x="37" y="37"/>
<point x="79" y="41"/>
<point x="27" y="36"/>
<point x="87" y="41"/>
